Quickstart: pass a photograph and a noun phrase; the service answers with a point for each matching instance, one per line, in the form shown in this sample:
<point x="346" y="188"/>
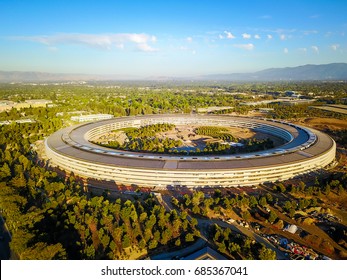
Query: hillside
<point x="332" y="71"/>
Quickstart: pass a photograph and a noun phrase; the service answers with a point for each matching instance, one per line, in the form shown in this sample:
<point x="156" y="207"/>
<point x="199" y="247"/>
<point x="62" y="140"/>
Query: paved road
<point x="199" y="244"/>
<point x="204" y="223"/>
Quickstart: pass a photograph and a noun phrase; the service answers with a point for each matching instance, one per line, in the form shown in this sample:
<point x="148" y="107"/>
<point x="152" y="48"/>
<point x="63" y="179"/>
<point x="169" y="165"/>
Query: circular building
<point x="304" y="150"/>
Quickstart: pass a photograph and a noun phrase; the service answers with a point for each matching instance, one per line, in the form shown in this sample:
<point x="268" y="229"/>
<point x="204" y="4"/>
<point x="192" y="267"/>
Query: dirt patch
<point x="324" y="123"/>
<point x="105" y="138"/>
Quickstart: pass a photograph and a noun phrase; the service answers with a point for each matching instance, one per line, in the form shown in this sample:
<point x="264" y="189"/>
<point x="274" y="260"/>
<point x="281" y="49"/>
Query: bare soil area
<point x="324" y="123"/>
<point x="118" y="136"/>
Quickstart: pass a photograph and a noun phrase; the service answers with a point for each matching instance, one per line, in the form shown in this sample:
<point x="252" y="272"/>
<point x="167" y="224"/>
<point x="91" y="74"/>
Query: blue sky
<point x="169" y="38"/>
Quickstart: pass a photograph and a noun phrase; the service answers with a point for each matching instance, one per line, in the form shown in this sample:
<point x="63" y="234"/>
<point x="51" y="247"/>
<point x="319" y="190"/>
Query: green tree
<point x="189" y="237"/>
<point x="253" y="202"/>
<point x="246" y="215"/>
<point x="197" y="198"/>
<point x="196" y="209"/>
<point x="234" y="248"/>
<point x="287" y="206"/>
<point x="178" y="242"/>
<point x="272" y="217"/>
<point x="266" y="253"/>
<point x="262" y="201"/>
<point x="126" y="241"/>
<point x="153" y="244"/>
<point x="194" y="222"/>
<point x="5" y="171"/>
<point x="187" y="199"/>
<point x="43" y="251"/>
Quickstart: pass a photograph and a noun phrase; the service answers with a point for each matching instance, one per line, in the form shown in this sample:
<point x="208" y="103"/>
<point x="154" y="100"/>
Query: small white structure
<point x="291" y="228"/>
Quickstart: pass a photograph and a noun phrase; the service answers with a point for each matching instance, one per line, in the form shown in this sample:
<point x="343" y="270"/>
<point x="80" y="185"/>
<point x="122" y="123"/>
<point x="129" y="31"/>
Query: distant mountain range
<point x="19" y="76"/>
<point x="34" y="77"/>
<point x="332" y="71"/>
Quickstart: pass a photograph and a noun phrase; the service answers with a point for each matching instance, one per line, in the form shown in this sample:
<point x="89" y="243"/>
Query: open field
<point x="324" y="123"/>
<point x="332" y="109"/>
<point x="339" y="106"/>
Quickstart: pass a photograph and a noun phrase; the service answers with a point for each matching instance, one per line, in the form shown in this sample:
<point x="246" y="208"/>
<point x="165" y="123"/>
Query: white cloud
<point x="285" y="50"/>
<point x="315" y="49"/>
<point x="146" y="48"/>
<point x="103" y="41"/>
<point x="247" y="47"/>
<point x="309" y="32"/>
<point x="189" y="39"/>
<point x="229" y="35"/>
<point x="120" y="46"/>
<point x="283" y="37"/>
<point x="246" y="36"/>
<point x="303" y="50"/>
<point x="256" y="36"/>
<point x="221" y="36"/>
<point x="269" y="36"/>
<point x="335" y="47"/>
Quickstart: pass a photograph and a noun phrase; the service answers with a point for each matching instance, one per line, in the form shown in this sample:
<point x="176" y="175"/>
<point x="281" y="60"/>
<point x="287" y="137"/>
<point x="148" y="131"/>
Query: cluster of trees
<point x="238" y="246"/>
<point x="304" y="196"/>
<point x="147" y="130"/>
<point x="51" y="217"/>
<point x="247" y="206"/>
<point x="300" y="111"/>
<point x="248" y="145"/>
<point x="200" y="204"/>
<point x="144" y="139"/>
<point x="153" y="144"/>
<point x="221" y="133"/>
<point x="123" y="99"/>
<point x="336" y="182"/>
<point x="253" y="145"/>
